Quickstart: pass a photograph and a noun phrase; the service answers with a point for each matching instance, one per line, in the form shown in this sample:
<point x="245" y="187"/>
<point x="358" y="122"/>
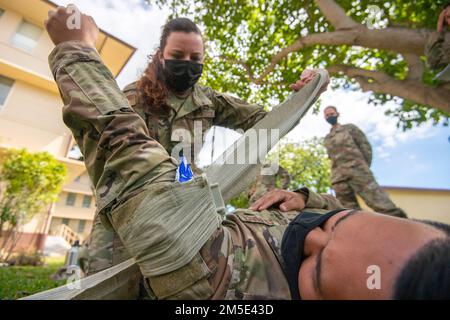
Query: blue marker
<point x="184" y="172"/>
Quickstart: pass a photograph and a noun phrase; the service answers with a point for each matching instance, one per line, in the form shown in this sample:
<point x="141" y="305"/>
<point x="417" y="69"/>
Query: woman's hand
<point x="68" y="24"/>
<point x="287" y="200"/>
<point x="306" y="76"/>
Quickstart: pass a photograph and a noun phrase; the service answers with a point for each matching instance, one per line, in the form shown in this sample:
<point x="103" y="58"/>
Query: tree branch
<point x="413" y="90"/>
<point x="393" y="39"/>
<point x="415" y="66"/>
<point x="336" y="15"/>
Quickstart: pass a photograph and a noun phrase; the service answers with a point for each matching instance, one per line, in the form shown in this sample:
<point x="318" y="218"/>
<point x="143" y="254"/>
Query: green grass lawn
<point x="18" y="282"/>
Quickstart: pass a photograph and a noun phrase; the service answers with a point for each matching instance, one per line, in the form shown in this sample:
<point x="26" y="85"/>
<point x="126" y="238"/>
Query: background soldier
<point x="268" y="182"/>
<point x="438" y="46"/>
<point x="351" y="156"/>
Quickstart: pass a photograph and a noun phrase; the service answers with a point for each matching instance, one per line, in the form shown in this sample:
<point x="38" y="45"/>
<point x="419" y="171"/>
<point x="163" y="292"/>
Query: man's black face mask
<point x="180" y="75"/>
<point x="293" y="244"/>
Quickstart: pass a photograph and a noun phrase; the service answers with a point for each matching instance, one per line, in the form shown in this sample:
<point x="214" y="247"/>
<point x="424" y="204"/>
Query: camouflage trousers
<point x="363" y="183"/>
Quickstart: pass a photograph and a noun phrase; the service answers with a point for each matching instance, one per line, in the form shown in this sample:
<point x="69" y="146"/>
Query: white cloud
<point x="130" y="21"/>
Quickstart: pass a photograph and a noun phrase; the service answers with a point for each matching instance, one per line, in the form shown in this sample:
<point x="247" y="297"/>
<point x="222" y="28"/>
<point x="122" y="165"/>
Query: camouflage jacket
<point x="267" y="182"/>
<point x="348" y="149"/>
<point x="437" y="50"/>
<point x="241" y="259"/>
<point x="203" y="108"/>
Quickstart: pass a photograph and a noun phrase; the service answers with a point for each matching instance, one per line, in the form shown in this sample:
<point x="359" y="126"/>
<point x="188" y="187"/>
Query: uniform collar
<point x="335" y="128"/>
<point x="194" y="101"/>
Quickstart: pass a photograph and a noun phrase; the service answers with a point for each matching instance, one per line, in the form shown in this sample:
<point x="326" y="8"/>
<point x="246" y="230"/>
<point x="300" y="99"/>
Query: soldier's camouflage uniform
<point x="267" y="182"/>
<point x="202" y="109"/>
<point x="351" y="156"/>
<point x="242" y="257"/>
<point x="437" y="50"/>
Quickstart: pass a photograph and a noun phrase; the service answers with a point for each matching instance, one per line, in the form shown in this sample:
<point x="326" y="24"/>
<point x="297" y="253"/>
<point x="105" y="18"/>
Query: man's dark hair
<point x="427" y="274"/>
<point x="332" y="107"/>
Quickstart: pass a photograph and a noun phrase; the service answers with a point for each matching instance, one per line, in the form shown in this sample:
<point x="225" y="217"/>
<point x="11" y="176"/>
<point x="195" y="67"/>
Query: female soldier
<point x="173" y="106"/>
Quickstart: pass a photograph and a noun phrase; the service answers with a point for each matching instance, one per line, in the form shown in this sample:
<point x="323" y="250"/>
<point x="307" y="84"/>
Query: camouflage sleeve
<point x="361" y="141"/>
<point x="319" y="201"/>
<point x="110" y="135"/>
<point x="285" y="177"/>
<point x="437" y="51"/>
<point x="132" y="94"/>
<point x="235" y="113"/>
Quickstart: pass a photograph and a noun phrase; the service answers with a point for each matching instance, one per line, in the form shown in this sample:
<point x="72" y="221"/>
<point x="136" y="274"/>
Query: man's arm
<point x="234" y="113"/>
<point x="437" y="51"/>
<point x="298" y="200"/>
<point x="319" y="200"/>
<point x="361" y="141"/>
<point x="110" y="135"/>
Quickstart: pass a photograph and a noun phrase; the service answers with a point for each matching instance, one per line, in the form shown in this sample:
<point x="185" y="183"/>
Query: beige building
<point x="419" y="203"/>
<point x="30" y="115"/>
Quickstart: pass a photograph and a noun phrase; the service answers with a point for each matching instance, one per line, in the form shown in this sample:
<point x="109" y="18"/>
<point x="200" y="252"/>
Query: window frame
<point x="21" y="46"/>
<point x="69" y="195"/>
<point x="8" y="93"/>
<point x="81" y="222"/>
<point x="83" y="205"/>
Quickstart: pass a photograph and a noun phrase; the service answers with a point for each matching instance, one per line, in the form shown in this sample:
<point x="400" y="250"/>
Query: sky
<point x="416" y="158"/>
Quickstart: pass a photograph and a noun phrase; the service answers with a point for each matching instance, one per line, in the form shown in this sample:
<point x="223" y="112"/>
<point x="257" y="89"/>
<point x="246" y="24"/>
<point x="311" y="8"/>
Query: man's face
<point x="329" y="112"/>
<point x="342" y="254"/>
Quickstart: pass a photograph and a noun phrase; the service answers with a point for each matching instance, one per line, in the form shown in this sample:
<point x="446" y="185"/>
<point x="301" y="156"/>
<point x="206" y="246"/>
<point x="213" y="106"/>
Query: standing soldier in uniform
<point x="438" y="47"/>
<point x="172" y="104"/>
<point x="351" y="156"/>
<point x="268" y="182"/>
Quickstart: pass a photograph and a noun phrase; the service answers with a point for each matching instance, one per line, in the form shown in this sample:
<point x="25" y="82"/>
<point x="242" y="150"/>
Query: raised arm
<point x="298" y="200"/>
<point x="114" y="140"/>
<point x="234" y="113"/>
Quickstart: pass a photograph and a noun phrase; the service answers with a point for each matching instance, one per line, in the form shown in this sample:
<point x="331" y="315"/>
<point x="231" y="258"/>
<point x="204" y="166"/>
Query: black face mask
<point x="180" y="75"/>
<point x="293" y="244"/>
<point x="332" y="120"/>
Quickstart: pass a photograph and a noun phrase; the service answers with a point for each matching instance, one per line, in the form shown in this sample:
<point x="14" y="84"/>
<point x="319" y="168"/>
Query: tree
<point x="28" y="182"/>
<point x="307" y="163"/>
<point x="258" y="47"/>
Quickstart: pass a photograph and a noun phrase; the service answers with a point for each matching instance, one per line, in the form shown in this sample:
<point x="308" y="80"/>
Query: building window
<point x="78" y="179"/>
<point x="65" y="221"/>
<point x="5" y="86"/>
<point x="81" y="225"/>
<point x="1" y="12"/>
<point x="87" y="201"/>
<point x="70" y="200"/>
<point x="26" y="36"/>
